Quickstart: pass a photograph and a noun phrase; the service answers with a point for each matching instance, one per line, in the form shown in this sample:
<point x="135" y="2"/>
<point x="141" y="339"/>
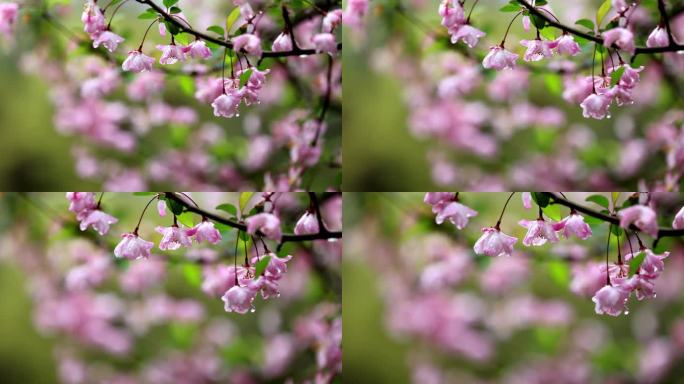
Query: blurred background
<point x="398" y="59"/>
<point x="496" y="320"/>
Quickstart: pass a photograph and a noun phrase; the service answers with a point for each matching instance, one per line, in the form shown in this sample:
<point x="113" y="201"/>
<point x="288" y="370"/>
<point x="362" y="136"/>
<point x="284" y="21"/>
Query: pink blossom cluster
<point x="455" y="21"/>
<point x="88" y="212"/>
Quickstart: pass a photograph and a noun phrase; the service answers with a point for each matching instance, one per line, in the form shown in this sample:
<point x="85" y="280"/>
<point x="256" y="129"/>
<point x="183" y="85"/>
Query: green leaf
<point x="616" y="75"/>
<point x="176" y="207"/>
<point x="230" y="208"/>
<point x="172" y="28"/>
<point x="148" y="14"/>
<point x="244" y="77"/>
<point x="599" y="199"/>
<point x="244" y="199"/>
<point x="510" y="8"/>
<point x="602" y="11"/>
<point x="559" y="272"/>
<point x="541" y="199"/>
<point x="553" y="212"/>
<point x="548" y="33"/>
<point x="585" y="23"/>
<point x="232" y="18"/>
<point x="187" y="218"/>
<point x="216" y="29"/>
<point x="175" y="10"/>
<point x="261" y="265"/>
<point x="223" y="228"/>
<point x="170" y="3"/>
<point x="192" y="274"/>
<point x="635" y="263"/>
<point x="144" y="193"/>
<point x="538" y="21"/>
<point x="539" y="3"/>
<point x="615" y="196"/>
<point x="617" y="231"/>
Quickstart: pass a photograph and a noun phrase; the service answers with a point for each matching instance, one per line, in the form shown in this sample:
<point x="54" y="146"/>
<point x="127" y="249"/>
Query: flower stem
<point x="498" y="223"/>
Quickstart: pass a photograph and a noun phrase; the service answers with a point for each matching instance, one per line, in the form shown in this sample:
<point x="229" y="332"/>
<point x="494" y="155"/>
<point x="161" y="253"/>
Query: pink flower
<point x="678" y="222"/>
<point x="574" y="225"/>
<point x="239" y="299"/>
<point x="133" y="247"/>
<point x="306" y="224"/>
<point x="621" y="37"/>
<point x="658" y="38"/>
<point x="611" y="300"/>
<point x="587" y="279"/>
<point x="161" y="208"/>
<point x="577" y="88"/>
<point x="171" y="54"/>
<point x="433" y="198"/>
<point x="205" y="231"/>
<point x="331" y="20"/>
<point x="538" y="49"/>
<point x="93" y="19"/>
<point x="566" y="45"/>
<point x="467" y="33"/>
<point x="596" y="105"/>
<point x="630" y="76"/>
<point x="493" y="242"/>
<point x="499" y="58"/>
<point x="643" y="288"/>
<point x="652" y="265"/>
<point x="81" y="201"/>
<point x="227" y="104"/>
<point x="99" y="220"/>
<point x="355" y="12"/>
<point x="457" y="213"/>
<point x="324" y="42"/>
<point x="538" y="232"/>
<point x="266" y="223"/>
<point x="137" y="62"/>
<point x="162" y="29"/>
<point x="198" y="49"/>
<point x="108" y="39"/>
<point x="247" y="43"/>
<point x="173" y="237"/>
<point x="282" y="43"/>
<point x="642" y="217"/>
<point x="452" y="13"/>
<point x="276" y="266"/>
<point x="526" y="199"/>
<point x="8" y="17"/>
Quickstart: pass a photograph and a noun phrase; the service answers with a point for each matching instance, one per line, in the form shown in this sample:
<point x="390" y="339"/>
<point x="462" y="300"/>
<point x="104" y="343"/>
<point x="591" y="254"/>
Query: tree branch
<point x="597" y="39"/>
<point x="662" y="232"/>
<point x="287" y="237"/>
<point x="223" y="43"/>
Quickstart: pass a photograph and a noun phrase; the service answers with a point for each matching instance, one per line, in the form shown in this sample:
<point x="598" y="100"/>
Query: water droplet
<point x="237" y="115"/>
<point x="626" y="313"/>
<point x="278" y="295"/>
<point x="609" y="116"/>
<point x="253" y="310"/>
<point x="654" y="295"/>
<point x="303" y="56"/>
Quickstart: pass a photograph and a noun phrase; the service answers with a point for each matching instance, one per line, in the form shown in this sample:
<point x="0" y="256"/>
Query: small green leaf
<point x="538" y="21"/>
<point x="148" y="14"/>
<point x="617" y="231"/>
<point x="216" y="29"/>
<point x="635" y="263"/>
<point x="510" y="8"/>
<point x="244" y="199"/>
<point x="175" y="10"/>
<point x="615" y="196"/>
<point x="144" y="193"/>
<point x="223" y="228"/>
<point x="176" y="207"/>
<point x="192" y="274"/>
<point x="232" y="18"/>
<point x="170" y="3"/>
<point x="186" y="218"/>
<point x="602" y="11"/>
<point x="539" y="3"/>
<point x="599" y="199"/>
<point x="553" y="212"/>
<point x="616" y="75"/>
<point x="541" y="199"/>
<point x="548" y="33"/>
<point x="172" y="27"/>
<point x="244" y="77"/>
<point x="230" y="208"/>
<point x="261" y="265"/>
<point x="585" y="23"/>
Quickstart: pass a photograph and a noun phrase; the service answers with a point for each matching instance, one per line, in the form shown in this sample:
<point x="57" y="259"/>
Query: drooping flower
<point x="652" y="265"/>
<point x="630" y="76"/>
<point x="137" y="62"/>
<point x="526" y="199"/>
<point x="611" y="300"/>
<point x="433" y="198"/>
<point x="108" y="39"/>
<point x="596" y="105"/>
<point x="276" y="266"/>
<point x="133" y="247"/>
<point x="499" y="58"/>
<point x="452" y="13"/>
<point x="239" y="299"/>
<point x="324" y="43"/>
<point x="81" y="201"/>
<point x="171" y="54"/>
<point x="658" y="38"/>
<point x="538" y="232"/>
<point x="641" y="216"/>
<point x="161" y="208"/>
<point x="266" y="223"/>
<point x="574" y="224"/>
<point x="678" y="222"/>
<point x="306" y="224"/>
<point x="93" y="19"/>
<point x="205" y="231"/>
<point x="198" y="50"/>
<point x="247" y="43"/>
<point x="538" y="49"/>
<point x="469" y="34"/>
<point x="99" y="220"/>
<point x="173" y="237"/>
<point x="493" y="242"/>
<point x="621" y="37"/>
<point x="227" y="104"/>
<point x="457" y="213"/>
<point x="566" y="45"/>
<point x="282" y="43"/>
<point x="331" y="20"/>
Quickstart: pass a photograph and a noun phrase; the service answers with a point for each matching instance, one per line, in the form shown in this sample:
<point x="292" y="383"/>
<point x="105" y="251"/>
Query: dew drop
<point x="608" y="117"/>
<point x="278" y="295"/>
<point x="237" y="115"/>
<point x="626" y="313"/>
<point x="654" y="295"/>
<point x="252" y="310"/>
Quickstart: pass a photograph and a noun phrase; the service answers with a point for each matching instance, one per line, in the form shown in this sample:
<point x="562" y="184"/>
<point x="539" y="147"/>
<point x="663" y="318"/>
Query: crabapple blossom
<point x="226" y="105"/>
<point x="678" y="222"/>
<point x="469" y="34"/>
<point x="652" y="265"/>
<point x="457" y="213"/>
<point x="239" y="299"/>
<point x="161" y="207"/>
<point x="566" y="45"/>
<point x="611" y="300"/>
<point x="133" y="247"/>
<point x="526" y="199"/>
<point x="81" y="201"/>
<point x="538" y="232"/>
<point x="452" y="13"/>
<point x="171" y="54"/>
<point x="282" y="43"/>
<point x="306" y="224"/>
<point x="93" y="19"/>
<point x="248" y="43"/>
<point x="641" y="216"/>
<point x="493" y="242"/>
<point x="325" y="43"/>
<point x="266" y="223"/>
<point x="596" y="104"/>
<point x="108" y="39"/>
<point x="331" y="20"/>
<point x="499" y="58"/>
<point x="658" y="38"/>
<point x="173" y="237"/>
<point x="198" y="49"/>
<point x="621" y="37"/>
<point x="205" y="231"/>
<point x="538" y="49"/>
<point x="574" y="225"/>
<point x="137" y="62"/>
<point x="8" y="17"/>
<point x="99" y="220"/>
